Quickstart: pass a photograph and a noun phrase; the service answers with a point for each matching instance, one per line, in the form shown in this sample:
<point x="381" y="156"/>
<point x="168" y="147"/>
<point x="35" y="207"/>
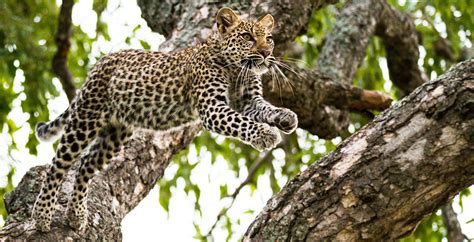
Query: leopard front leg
<point x="262" y="111"/>
<point x="218" y="117"/>
<point x="249" y="101"/>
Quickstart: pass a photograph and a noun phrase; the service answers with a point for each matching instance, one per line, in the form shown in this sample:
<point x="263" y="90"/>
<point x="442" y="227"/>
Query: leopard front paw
<point x="266" y="138"/>
<point x="286" y="120"/>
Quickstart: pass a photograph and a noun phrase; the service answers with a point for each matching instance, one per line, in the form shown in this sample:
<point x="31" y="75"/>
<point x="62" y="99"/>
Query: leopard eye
<point x="269" y="39"/>
<point x="247" y="37"/>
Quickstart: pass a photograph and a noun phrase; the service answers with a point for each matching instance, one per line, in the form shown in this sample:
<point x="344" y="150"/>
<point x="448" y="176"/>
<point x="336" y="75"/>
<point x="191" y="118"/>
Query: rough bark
<point x="379" y="183"/>
<point x="63" y="42"/>
<point x="142" y="161"/>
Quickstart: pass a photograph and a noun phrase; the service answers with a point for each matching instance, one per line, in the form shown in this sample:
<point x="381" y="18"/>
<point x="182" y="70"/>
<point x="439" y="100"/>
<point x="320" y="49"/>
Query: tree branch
<point x="400" y="39"/>
<point x="63" y="42"/>
<point x="385" y="178"/>
<point x="450" y="219"/>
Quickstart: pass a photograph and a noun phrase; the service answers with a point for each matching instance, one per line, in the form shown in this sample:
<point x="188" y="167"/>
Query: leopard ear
<point x="226" y="20"/>
<point x="267" y="22"/>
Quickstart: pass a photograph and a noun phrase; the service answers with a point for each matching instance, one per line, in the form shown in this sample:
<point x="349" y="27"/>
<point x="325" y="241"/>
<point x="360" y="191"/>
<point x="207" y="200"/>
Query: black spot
<point x="70" y="138"/>
<point x="67" y="157"/>
<point x="91" y="134"/>
<point x="221" y="98"/>
<point x="81" y="136"/>
<point x="75" y="147"/>
<point x="90" y="170"/>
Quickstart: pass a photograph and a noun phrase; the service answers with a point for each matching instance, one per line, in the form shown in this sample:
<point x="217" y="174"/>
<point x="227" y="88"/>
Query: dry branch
<point x="63" y="36"/>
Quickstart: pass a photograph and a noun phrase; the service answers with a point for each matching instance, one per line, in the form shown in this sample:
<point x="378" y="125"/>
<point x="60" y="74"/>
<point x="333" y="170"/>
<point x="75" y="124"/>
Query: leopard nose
<point x="264" y="53"/>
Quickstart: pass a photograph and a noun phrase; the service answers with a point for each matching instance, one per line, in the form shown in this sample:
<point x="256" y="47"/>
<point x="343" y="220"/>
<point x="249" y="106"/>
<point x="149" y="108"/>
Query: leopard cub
<point x="216" y="83"/>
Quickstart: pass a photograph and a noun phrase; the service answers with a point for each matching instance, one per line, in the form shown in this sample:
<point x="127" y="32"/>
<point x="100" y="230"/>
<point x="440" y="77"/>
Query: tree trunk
<point x="321" y="99"/>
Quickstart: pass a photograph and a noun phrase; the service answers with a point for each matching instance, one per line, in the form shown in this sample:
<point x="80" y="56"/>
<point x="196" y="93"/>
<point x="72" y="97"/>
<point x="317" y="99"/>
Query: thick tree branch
<point x="381" y="181"/>
<point x="63" y="42"/>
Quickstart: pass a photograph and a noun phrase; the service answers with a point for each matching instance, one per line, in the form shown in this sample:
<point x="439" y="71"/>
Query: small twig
<point x="451" y="222"/>
<point x="253" y="169"/>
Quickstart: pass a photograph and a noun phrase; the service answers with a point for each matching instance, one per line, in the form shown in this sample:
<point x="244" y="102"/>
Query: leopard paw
<point x="41" y="216"/>
<point x="77" y="218"/>
<point x="266" y="138"/>
<point x="43" y="224"/>
<point x="285" y="120"/>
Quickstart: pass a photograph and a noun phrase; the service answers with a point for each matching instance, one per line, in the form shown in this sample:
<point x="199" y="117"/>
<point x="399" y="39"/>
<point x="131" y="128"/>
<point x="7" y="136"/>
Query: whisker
<point x="287" y="67"/>
<point x="279" y="84"/>
<point x="293" y="60"/>
<point x="287" y="81"/>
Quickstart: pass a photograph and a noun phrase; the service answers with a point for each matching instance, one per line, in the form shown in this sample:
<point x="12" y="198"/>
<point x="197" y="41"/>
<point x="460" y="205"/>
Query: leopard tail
<point x="52" y="130"/>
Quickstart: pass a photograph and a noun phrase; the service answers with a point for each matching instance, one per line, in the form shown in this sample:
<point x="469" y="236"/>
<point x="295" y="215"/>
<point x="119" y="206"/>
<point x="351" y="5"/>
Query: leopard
<point x="216" y="83"/>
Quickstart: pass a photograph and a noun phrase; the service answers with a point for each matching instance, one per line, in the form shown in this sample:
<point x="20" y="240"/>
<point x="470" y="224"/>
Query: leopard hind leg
<point x="78" y="134"/>
<point x="107" y="145"/>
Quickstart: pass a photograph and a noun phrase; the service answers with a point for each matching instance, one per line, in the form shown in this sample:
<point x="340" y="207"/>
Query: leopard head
<point x="246" y="44"/>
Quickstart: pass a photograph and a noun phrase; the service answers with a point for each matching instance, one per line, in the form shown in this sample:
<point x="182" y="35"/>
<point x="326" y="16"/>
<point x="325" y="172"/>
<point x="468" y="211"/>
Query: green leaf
<point x="224" y="192"/>
<point x="145" y="44"/>
<point x="164" y="197"/>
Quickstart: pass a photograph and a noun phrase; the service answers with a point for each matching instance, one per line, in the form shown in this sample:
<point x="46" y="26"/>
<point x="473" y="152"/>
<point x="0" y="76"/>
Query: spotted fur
<point x="216" y="83"/>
